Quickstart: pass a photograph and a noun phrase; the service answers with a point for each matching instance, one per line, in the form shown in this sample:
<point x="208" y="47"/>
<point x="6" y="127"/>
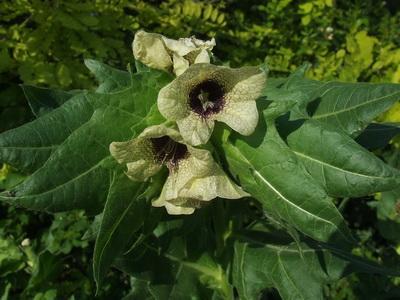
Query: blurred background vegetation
<point x="44" y="42"/>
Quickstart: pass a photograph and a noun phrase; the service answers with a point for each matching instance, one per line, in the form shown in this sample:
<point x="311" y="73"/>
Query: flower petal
<point x="125" y="152"/>
<point x="184" y="46"/>
<point x="150" y="49"/>
<point x="178" y="210"/>
<point x="199" y="163"/>
<point x="180" y="64"/>
<point x="213" y="186"/>
<point x="138" y="157"/>
<point x="173" y="98"/>
<point x="240" y="111"/>
<point x="195" y="130"/>
<point x="180" y="207"/>
<point x="239" y="87"/>
<point x="248" y="89"/>
<point x="240" y="116"/>
<point x="159" y="131"/>
<point x="202" y="57"/>
<point x="141" y="170"/>
<point x="195" y="179"/>
<point x="175" y="206"/>
<point x="171" y="102"/>
<point x="180" y="47"/>
<point x="199" y="177"/>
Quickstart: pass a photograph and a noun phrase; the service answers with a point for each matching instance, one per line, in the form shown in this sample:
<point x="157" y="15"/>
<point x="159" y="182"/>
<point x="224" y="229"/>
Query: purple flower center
<point x="167" y="151"/>
<point x="207" y="98"/>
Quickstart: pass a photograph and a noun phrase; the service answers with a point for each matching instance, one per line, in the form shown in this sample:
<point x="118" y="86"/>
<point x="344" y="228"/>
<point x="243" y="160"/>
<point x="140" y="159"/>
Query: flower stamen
<point x="207" y="98"/>
<point x="167" y="151"/>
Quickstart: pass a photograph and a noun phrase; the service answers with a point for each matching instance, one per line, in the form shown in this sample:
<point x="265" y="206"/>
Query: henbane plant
<point x="250" y="167"/>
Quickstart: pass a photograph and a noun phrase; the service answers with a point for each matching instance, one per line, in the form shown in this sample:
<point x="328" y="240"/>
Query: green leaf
<point x="63" y="74"/>
<point x="181" y="277"/>
<point x="297" y="273"/>
<point x="5" y="292"/>
<point x="13" y="110"/>
<point x="110" y="79"/>
<point x="184" y="249"/>
<point x="30" y="145"/>
<point x="282" y="267"/>
<point x="6" y="62"/>
<point x="47" y="268"/>
<point x="270" y="172"/>
<point x="338" y="163"/>
<point x="9" y="177"/>
<point x="124" y="213"/>
<point x="75" y="176"/>
<point x="281" y="101"/>
<point x="11" y="257"/>
<point x="352" y="106"/>
<point x="69" y="21"/>
<point x="65" y="232"/>
<point x="43" y="100"/>
<point x="141" y="67"/>
<point x="93" y="229"/>
<point x="388" y="208"/>
<point x="294" y="90"/>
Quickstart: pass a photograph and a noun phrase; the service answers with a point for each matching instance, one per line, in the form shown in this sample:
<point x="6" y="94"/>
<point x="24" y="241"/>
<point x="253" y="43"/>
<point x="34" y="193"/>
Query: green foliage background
<point x="44" y="43"/>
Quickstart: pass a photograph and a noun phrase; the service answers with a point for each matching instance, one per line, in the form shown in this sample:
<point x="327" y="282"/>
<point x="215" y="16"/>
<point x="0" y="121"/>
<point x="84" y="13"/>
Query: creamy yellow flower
<point x="160" y="52"/>
<point x="194" y="176"/>
<point x="207" y="93"/>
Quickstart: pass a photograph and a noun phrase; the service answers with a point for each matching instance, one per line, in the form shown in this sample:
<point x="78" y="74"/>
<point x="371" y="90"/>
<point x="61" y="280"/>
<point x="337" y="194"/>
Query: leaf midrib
<point x="337" y="168"/>
<point x="29" y="147"/>
<point x="62" y="184"/>
<point x="114" y="227"/>
<point x="337" y="112"/>
<point x="287" y="200"/>
<point x="255" y="172"/>
<point x="293" y="204"/>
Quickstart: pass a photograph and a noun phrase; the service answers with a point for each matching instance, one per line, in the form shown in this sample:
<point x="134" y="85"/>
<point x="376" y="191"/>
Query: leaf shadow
<point x="285" y="126"/>
<point x="312" y="106"/>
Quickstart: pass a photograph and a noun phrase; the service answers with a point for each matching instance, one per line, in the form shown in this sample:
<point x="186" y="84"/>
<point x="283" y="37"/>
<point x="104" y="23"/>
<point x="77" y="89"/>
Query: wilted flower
<point x="194" y="176"/>
<point x="159" y="52"/>
<point x="205" y="93"/>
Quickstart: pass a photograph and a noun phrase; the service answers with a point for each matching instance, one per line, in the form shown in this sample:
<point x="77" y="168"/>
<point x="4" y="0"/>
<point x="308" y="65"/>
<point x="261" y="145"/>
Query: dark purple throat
<point x="167" y="151"/>
<point x="207" y="98"/>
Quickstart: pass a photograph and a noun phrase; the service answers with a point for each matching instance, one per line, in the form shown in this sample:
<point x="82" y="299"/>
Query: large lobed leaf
<point x="348" y="107"/>
<point x="322" y="145"/>
<point x="338" y="163"/>
<point x="42" y="100"/>
<point x="297" y="271"/>
<point x="110" y="79"/>
<point x="270" y="172"/>
<point x="70" y="145"/>
<point x="124" y="213"/>
<point x="352" y="106"/>
<point x="127" y="208"/>
<point x="29" y="146"/>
